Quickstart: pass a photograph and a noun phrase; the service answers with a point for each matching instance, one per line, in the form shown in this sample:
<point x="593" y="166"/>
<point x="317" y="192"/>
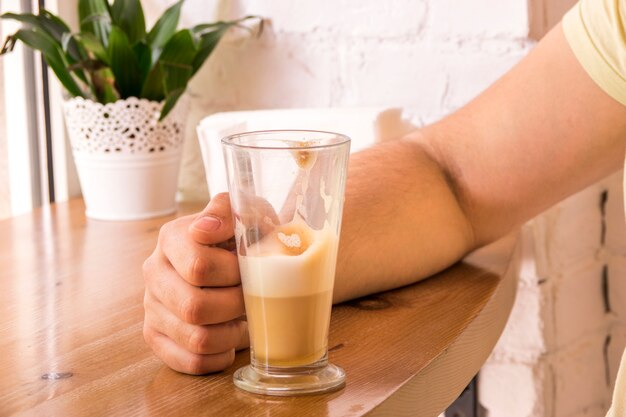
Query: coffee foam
<point x="293" y="259"/>
<point x="269" y="270"/>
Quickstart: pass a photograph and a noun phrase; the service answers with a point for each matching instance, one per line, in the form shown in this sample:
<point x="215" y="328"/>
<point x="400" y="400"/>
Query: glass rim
<point x="229" y="140"/>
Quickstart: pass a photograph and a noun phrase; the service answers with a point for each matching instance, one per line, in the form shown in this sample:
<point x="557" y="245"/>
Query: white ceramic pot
<point x="127" y="160"/>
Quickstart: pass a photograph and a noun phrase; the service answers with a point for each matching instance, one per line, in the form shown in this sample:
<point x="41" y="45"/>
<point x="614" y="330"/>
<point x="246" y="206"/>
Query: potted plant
<point x="123" y="87"/>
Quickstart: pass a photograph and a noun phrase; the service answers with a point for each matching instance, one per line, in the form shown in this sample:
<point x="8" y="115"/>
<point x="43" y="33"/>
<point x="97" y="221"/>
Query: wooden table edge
<point x="432" y="390"/>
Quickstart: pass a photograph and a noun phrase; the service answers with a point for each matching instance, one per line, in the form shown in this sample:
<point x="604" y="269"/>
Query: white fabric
<point x="618" y="409"/>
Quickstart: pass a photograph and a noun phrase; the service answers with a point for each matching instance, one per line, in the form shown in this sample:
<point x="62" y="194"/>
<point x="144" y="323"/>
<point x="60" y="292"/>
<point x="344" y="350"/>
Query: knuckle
<point x="150" y="314"/>
<point x="190" y="310"/>
<point x="146" y="303"/>
<point x="220" y="206"/>
<point x="148" y="267"/>
<point x="199" y="341"/>
<point x="194" y="364"/>
<point x="198" y="269"/>
<point x="229" y="358"/>
<point x="164" y="231"/>
<point x="147" y="334"/>
<point x="235" y="327"/>
<point x="222" y="197"/>
<point x="169" y="231"/>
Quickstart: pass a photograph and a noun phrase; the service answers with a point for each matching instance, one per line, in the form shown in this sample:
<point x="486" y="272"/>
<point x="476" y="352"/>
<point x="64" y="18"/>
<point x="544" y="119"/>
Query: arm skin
<point x="413" y="206"/>
<point x="542" y="132"/>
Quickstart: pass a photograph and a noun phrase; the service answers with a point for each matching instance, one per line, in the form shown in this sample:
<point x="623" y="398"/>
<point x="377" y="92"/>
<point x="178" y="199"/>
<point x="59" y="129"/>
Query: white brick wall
<point x="426" y="55"/>
<point x="563" y="329"/>
<point x="345" y="18"/>
<point x="559" y="353"/>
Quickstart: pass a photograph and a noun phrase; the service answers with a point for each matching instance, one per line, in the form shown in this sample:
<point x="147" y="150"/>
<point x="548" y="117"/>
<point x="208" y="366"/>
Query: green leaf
<point x="210" y="35"/>
<point x="92" y="45"/>
<point x="27" y="18"/>
<point x="170" y="102"/>
<point x="202" y="28"/>
<point x="164" y="29"/>
<point x="208" y="42"/>
<point x="73" y="49"/>
<point x="124" y="64"/>
<point x="109" y="95"/>
<point x="89" y="65"/>
<point x="176" y="60"/>
<point x="109" y="9"/>
<point x="8" y="45"/>
<point x="144" y="59"/>
<point x="153" y="86"/>
<point x="53" y="54"/>
<point x="52" y="25"/>
<point x="128" y="16"/>
<point x="53" y="21"/>
<point x="95" y="19"/>
<point x="102" y="81"/>
<point x="65" y="42"/>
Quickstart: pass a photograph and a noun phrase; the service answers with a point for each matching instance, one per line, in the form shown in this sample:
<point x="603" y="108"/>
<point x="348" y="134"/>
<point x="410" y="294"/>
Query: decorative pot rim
<point x="98" y="104"/>
<point x="127" y="126"/>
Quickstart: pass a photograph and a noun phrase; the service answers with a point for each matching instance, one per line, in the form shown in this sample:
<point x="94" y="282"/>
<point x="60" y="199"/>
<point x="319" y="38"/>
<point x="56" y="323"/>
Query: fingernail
<point x="207" y="223"/>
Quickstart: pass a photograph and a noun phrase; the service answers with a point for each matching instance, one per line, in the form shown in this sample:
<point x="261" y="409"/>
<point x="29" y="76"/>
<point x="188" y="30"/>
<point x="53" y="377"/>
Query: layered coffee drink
<point x="287" y="278"/>
<point x="286" y="193"/>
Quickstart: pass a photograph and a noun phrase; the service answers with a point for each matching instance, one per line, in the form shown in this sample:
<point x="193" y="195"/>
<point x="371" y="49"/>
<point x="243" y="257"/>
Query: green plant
<point x="113" y="56"/>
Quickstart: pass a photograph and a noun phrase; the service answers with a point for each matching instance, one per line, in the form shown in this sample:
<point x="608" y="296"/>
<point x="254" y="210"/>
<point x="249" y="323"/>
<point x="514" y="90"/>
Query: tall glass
<point x="286" y="192"/>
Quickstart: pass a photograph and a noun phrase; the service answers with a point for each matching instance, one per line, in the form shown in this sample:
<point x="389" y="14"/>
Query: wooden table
<point x="71" y="342"/>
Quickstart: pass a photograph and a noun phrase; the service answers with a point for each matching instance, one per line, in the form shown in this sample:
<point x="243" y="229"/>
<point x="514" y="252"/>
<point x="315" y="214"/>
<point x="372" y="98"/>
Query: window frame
<point x="39" y="162"/>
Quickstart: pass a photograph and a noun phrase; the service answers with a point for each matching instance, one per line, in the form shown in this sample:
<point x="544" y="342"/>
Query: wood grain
<point x="71" y="294"/>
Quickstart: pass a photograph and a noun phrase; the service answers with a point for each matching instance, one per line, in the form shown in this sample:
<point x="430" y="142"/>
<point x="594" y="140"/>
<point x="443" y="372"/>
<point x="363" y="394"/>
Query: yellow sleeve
<point x="595" y="31"/>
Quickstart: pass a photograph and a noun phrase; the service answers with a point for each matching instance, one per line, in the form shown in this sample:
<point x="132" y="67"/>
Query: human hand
<point x="193" y="299"/>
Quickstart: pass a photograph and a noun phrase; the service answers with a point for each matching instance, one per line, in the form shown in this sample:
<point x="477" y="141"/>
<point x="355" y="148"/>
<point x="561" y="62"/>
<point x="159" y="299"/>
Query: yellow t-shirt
<point x="596" y="32"/>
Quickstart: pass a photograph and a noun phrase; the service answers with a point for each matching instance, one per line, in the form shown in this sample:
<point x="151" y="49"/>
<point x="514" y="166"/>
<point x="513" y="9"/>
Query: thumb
<point x="215" y="223"/>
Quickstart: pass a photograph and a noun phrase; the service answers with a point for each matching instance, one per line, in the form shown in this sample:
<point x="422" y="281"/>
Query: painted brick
<point x="617" y="287"/>
<point x="616" y="352"/>
<point x="615" y="224"/>
<point x="513" y="390"/>
<point x="391" y="18"/>
<point x="579" y="377"/>
<point x="192" y="184"/>
<point x="247" y="72"/>
<point x="578" y="304"/>
<point x="484" y="18"/>
<point x="341" y="53"/>
<point x="523" y="339"/>
<point x="271" y="72"/>
<point x="530" y="273"/>
<point x="470" y="72"/>
<point x="367" y="79"/>
<point x="596" y="410"/>
<point x="569" y="233"/>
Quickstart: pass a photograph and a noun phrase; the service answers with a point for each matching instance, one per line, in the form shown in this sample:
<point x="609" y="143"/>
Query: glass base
<point x="288" y="382"/>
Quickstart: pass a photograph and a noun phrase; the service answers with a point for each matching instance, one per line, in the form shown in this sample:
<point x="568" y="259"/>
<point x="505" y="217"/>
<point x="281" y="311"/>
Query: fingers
<point x="198" y="264"/>
<point x="215" y="223"/>
<point x="193" y="299"/>
<point x="191" y="304"/>
<point x="182" y="360"/>
<point x="203" y="340"/>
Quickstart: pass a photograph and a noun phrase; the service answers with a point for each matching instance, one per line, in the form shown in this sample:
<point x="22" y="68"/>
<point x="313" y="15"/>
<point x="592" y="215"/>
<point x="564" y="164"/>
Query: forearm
<point x="542" y="132"/>
<point x="415" y="206"/>
<point x="401" y="220"/>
